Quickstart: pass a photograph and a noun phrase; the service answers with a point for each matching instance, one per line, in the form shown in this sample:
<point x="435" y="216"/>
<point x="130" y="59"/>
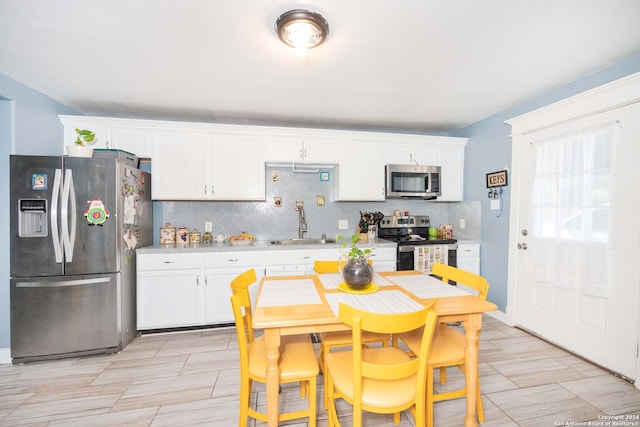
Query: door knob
<point x="522" y="246"/>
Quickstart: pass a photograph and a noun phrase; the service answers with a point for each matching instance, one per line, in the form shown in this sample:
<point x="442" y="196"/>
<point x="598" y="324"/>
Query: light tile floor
<point x="191" y="378"/>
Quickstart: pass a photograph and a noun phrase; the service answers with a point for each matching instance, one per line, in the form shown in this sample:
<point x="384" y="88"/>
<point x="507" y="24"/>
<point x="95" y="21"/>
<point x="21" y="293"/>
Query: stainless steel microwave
<point x="412" y="181"/>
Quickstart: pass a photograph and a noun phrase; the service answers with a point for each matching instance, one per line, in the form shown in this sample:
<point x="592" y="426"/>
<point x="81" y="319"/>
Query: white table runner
<point x="385" y="302"/>
<point x="288" y="292"/>
<point x="332" y="280"/>
<point x="425" y="286"/>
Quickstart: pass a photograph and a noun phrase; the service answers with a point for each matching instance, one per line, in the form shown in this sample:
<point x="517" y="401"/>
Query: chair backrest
<point x="240" y="287"/>
<point x="386" y="370"/>
<point x="333" y="266"/>
<point x="462" y="277"/>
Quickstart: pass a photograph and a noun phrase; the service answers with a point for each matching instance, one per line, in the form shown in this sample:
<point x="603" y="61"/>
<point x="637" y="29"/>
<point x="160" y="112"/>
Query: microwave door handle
<point x="55" y="235"/>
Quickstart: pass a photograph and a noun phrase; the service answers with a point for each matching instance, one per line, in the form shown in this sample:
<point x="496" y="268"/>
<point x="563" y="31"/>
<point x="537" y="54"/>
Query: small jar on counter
<point x="194" y="237"/>
<point x="207" y="238"/>
<point x="168" y="235"/>
<point x="182" y="237"/>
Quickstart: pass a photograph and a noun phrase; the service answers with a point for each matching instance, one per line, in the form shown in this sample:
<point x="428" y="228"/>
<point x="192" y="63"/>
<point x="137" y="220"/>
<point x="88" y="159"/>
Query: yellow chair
<point x="448" y="343"/>
<point x="384" y="380"/>
<point x="333" y="340"/>
<point x="298" y="361"/>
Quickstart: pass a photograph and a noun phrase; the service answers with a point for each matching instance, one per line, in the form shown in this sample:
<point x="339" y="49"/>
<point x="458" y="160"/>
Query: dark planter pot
<point x="357" y="273"/>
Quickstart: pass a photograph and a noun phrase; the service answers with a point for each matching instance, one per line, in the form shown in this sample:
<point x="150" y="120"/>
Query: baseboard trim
<point x="5" y="356"/>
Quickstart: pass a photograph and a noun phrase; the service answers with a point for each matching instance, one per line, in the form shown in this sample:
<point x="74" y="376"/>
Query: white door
<point x="596" y="322"/>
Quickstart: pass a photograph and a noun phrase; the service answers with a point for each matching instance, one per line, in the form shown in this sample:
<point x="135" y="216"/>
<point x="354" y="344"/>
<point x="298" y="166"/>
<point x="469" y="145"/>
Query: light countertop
<point x="259" y="245"/>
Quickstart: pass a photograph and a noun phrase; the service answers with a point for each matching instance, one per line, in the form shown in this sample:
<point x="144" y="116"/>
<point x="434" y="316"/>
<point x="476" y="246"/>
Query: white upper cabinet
<point x="237" y="168"/>
<point x="446" y="152"/>
<point x="361" y="171"/>
<point x="301" y="149"/>
<point x="207" y="166"/>
<point x="180" y="166"/>
<point x="136" y="141"/>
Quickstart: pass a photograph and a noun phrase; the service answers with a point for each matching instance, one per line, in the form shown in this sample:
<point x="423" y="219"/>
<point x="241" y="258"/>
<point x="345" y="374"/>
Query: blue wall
<point x="29" y="124"/>
<point x="489" y="150"/>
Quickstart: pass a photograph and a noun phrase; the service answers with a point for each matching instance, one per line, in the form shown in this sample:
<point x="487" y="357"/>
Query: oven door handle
<point x="407" y="248"/>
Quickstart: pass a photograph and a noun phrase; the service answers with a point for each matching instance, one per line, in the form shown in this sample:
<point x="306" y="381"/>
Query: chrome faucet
<point x="302" y="223"/>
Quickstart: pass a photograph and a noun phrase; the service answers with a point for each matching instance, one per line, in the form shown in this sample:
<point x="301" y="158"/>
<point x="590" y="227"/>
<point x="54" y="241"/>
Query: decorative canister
<point x="194" y="236"/>
<point x="207" y="237"/>
<point x="449" y="231"/>
<point x="168" y="235"/>
<point x="182" y="237"/>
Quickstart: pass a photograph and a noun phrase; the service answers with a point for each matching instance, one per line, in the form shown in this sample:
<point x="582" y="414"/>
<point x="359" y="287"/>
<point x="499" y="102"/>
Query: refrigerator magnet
<point x="96" y="214"/>
<point x="39" y="181"/>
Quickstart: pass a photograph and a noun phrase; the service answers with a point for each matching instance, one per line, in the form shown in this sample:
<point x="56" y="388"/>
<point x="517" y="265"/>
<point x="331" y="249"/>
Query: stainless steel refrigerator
<point x="75" y="226"/>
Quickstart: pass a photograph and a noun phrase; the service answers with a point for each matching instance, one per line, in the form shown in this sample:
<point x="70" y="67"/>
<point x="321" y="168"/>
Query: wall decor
<point x="497" y="179"/>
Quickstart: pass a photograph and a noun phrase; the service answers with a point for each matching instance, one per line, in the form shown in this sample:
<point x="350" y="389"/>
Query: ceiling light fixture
<point x="302" y="29"/>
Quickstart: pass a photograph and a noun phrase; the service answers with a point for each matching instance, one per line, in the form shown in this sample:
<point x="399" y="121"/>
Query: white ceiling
<point x="407" y="65"/>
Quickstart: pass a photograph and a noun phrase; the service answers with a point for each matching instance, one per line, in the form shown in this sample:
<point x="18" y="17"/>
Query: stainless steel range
<point x="411" y="233"/>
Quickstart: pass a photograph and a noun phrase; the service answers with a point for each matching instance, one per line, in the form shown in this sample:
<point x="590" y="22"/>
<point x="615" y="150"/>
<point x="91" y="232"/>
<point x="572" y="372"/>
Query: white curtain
<point x="571" y="207"/>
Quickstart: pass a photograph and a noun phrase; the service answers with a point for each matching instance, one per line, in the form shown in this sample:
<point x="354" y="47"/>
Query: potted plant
<point x="79" y="148"/>
<point x="357" y="271"/>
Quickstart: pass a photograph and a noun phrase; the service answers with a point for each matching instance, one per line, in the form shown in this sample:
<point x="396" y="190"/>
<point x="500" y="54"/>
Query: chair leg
<point x="429" y="412"/>
<point x="245" y="396"/>
<point x="311" y="396"/>
<point x="323" y="356"/>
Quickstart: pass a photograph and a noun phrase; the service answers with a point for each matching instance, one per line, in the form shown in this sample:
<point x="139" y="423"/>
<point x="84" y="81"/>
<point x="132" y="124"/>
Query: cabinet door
<point x="220" y="268"/>
<point x="237" y="168"/>
<point x="451" y="161"/>
<point x="169" y="298"/>
<point x="283" y="149"/>
<point x="180" y="167"/>
<point x="317" y="150"/>
<point x="361" y="173"/>
<point x="136" y="141"/>
<point x="398" y="153"/>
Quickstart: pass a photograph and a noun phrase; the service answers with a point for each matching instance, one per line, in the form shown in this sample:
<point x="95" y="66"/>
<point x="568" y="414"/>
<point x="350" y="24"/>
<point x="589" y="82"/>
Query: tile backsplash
<point x="271" y="219"/>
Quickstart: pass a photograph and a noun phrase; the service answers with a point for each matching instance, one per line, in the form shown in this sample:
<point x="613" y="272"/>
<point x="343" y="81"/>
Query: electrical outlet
<point x="495" y="205"/>
<point x="462" y="223"/>
<point x="208" y="226"/>
<point x="343" y="224"/>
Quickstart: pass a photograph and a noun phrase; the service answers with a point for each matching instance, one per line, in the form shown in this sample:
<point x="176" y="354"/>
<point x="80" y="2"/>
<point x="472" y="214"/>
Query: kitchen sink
<point x="302" y="242"/>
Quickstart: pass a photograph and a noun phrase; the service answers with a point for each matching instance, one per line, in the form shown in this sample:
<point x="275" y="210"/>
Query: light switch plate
<point x="343" y="224"/>
<point x="495" y="205"/>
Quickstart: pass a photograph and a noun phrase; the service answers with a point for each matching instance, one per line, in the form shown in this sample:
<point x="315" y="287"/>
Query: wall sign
<point x="497" y="179"/>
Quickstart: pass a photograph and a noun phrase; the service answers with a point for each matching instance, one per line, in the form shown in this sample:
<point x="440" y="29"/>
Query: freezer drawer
<point x="63" y="316"/>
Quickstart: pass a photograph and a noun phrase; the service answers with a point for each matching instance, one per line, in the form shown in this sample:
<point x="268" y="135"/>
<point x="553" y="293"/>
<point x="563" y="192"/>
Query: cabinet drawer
<point x="471" y="250"/>
<point x="300" y="256"/>
<point x="171" y="261"/>
<point x="233" y="259"/>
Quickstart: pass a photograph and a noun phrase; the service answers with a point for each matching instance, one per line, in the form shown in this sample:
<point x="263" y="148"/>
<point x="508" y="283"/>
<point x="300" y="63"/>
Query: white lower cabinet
<point x="178" y="290"/>
<point x="169" y="291"/>
<point x="295" y="262"/>
<point x="194" y="289"/>
<point x="468" y="257"/>
<point x="220" y="269"/>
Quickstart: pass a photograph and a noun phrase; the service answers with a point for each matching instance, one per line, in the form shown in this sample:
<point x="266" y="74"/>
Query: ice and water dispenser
<point x="32" y="218"/>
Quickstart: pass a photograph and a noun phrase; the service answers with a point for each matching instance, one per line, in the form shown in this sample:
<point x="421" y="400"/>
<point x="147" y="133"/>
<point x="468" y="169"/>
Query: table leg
<point x="272" y="342"/>
<point x="472" y="332"/>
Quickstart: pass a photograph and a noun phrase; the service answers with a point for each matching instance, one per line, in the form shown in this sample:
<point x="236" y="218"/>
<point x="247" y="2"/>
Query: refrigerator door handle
<point x="55" y="235"/>
<point x="68" y="197"/>
<point x="61" y="284"/>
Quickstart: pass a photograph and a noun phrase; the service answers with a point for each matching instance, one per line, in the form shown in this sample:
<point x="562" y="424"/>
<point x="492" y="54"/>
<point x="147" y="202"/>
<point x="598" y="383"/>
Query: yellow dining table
<point x="289" y="305"/>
